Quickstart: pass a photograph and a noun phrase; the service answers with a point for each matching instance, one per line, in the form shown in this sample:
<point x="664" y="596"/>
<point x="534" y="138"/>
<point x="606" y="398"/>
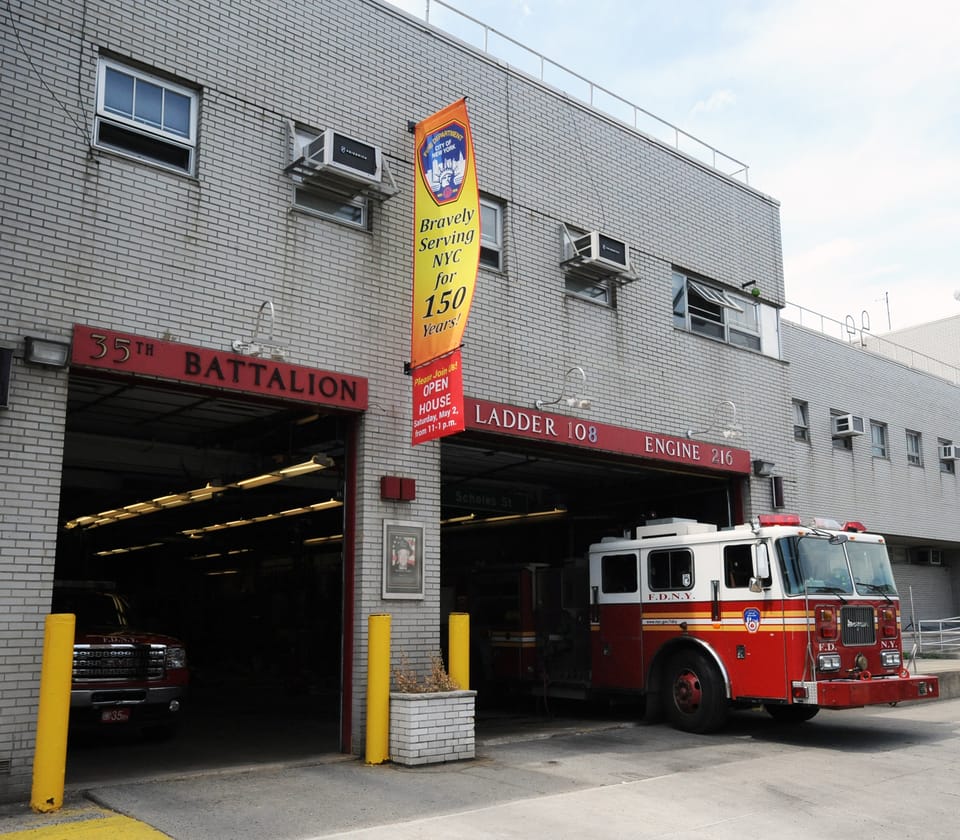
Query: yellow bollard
<point x="378" y="689"/>
<point x="53" y="714"/>
<point x="459" y="644"/>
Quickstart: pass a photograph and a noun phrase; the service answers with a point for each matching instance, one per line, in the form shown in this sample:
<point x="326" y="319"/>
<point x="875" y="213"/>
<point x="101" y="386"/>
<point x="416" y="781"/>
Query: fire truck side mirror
<point x="761" y="568"/>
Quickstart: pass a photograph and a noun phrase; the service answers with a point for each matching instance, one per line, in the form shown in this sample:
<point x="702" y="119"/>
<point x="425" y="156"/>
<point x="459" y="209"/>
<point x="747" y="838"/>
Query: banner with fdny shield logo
<point x="446" y="248"/>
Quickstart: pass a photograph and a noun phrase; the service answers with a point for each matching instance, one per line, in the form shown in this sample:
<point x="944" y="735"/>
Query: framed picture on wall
<point x="402" y="559"/>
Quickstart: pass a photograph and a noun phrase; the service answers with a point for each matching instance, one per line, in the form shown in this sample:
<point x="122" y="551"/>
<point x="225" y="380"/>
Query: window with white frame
<point x="491" y="234"/>
<point x="801" y="420"/>
<point x="319" y="201"/>
<point x="599" y="291"/>
<point x="350" y="211"/>
<point x="146" y="117"/>
<point x="707" y="309"/>
<point x="914" y="449"/>
<point x="878" y="439"/>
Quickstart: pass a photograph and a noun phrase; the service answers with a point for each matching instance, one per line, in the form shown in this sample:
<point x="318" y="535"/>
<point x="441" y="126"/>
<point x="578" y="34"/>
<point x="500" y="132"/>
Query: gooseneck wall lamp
<point x="724" y="421"/>
<point x="568" y="396"/>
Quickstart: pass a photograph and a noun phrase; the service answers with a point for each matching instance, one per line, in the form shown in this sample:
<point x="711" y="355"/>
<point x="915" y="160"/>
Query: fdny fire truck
<point x="697" y="620"/>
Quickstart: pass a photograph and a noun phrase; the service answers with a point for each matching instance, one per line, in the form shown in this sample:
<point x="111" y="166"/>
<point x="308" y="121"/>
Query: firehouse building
<point x="206" y="401"/>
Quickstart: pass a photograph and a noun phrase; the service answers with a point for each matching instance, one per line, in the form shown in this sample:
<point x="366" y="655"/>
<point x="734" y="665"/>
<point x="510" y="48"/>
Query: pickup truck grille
<point x="118" y="662"/>
<point x="857" y="626"/>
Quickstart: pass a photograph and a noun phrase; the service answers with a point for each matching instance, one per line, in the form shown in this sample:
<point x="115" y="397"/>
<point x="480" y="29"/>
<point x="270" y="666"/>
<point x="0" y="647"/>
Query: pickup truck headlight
<point x="828" y="662"/>
<point x="890" y="658"/>
<point x="176" y="657"/>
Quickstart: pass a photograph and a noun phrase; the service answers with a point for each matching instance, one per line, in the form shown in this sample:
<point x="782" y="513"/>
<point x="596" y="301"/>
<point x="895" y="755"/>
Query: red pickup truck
<point x="123" y="676"/>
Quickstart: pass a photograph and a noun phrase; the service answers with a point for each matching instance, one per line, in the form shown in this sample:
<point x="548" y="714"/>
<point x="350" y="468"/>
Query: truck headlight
<point x="176" y="657"/>
<point x="828" y="662"/>
<point x="890" y="658"/>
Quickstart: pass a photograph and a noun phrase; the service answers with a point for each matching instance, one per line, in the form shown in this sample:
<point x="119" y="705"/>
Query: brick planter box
<point x="431" y="727"/>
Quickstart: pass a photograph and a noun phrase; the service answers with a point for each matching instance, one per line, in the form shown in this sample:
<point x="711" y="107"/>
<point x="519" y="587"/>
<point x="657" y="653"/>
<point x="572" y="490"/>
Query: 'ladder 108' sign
<point x="483" y="416"/>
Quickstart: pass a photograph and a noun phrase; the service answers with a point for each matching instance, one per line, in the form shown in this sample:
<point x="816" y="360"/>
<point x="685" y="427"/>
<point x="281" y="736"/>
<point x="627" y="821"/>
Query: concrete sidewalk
<point x="289" y="793"/>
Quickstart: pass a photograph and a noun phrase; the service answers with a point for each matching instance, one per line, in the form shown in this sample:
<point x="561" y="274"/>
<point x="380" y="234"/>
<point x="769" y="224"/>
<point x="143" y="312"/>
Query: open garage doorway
<point x="220" y="517"/>
<point x="517" y="521"/>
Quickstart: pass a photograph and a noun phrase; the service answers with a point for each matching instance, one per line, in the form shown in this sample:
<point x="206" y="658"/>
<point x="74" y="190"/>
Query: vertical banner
<point x="446" y="251"/>
<point x="446" y="256"/>
<point x="438" y="399"/>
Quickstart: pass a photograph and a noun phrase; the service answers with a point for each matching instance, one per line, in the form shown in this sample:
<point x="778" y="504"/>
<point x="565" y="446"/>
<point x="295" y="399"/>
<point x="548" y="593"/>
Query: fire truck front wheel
<point x="693" y="693"/>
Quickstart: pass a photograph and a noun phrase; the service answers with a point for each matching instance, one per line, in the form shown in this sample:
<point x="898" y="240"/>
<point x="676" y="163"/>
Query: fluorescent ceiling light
<point x="472" y="521"/>
<point x="201" y="494"/>
<point x="197" y="533"/>
<point x="322" y="540"/>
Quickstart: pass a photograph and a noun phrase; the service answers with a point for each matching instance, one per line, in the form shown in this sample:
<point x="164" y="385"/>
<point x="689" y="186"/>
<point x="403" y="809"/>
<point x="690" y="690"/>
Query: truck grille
<point x="857" y="626"/>
<point x="118" y="662"/>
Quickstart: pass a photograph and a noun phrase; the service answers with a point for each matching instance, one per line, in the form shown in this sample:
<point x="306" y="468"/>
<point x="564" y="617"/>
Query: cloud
<point x="718" y="101"/>
<point x="845" y="111"/>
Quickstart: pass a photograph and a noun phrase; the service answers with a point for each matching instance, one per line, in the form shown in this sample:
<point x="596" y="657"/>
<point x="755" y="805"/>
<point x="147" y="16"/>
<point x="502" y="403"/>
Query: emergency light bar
<point x="792" y="519"/>
<point x="857" y="527"/>
<point x="767" y="519"/>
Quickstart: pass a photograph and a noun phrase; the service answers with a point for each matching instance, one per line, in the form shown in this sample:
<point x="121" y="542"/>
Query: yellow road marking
<point x="113" y="827"/>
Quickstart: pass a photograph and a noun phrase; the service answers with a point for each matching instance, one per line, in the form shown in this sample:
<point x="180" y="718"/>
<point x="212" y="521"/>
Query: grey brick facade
<point x="93" y="237"/>
<point x="914" y="505"/>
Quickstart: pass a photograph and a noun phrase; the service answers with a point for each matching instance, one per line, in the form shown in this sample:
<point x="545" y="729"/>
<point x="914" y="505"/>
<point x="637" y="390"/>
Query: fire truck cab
<point x="794" y="618"/>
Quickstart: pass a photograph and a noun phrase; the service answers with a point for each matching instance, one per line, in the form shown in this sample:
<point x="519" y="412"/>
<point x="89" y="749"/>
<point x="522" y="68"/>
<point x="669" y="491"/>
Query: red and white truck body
<point x="123" y="676"/>
<point x="699" y="620"/>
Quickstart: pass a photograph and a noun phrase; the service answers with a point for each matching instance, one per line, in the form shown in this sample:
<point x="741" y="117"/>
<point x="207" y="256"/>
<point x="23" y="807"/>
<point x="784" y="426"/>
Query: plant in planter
<point x="431" y="717"/>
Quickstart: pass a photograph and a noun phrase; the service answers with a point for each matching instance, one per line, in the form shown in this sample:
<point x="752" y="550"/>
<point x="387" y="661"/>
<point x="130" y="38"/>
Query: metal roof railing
<point x="528" y="61"/>
<point x="848" y="331"/>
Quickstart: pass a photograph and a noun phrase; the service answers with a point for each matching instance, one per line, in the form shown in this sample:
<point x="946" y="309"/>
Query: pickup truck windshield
<point x="96" y="611"/>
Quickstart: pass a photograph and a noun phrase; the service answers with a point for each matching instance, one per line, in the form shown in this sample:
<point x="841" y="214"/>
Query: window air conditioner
<point x="336" y="153"/>
<point x="847" y="425"/>
<point x="950" y="452"/>
<point x="602" y="250"/>
<point x="928" y="556"/>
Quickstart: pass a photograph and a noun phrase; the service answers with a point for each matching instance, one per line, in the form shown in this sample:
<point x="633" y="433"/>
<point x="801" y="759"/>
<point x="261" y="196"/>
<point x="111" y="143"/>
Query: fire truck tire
<point x="791" y="714"/>
<point x="693" y="696"/>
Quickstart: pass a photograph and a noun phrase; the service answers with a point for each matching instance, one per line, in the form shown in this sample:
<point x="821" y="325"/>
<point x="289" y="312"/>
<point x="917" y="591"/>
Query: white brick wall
<point x="431" y="728"/>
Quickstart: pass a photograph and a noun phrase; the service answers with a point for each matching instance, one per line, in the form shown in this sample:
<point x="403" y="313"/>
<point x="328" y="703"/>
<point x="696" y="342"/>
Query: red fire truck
<point x="699" y="620"/>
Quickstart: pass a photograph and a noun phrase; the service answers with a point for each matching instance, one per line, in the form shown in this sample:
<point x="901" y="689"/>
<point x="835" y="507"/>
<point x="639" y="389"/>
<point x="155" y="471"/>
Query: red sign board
<point x="124" y="353"/>
<point x="438" y="398"/>
<point x="483" y="416"/>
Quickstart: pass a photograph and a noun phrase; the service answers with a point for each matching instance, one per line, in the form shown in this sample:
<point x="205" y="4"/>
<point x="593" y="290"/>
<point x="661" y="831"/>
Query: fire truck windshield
<point x="817" y="564"/>
<point x="871" y="568"/>
<point x="814" y="564"/>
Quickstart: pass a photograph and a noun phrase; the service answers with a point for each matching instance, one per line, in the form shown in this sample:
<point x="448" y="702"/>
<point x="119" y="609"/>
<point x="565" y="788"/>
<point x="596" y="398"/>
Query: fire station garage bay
<point x="224" y="517"/>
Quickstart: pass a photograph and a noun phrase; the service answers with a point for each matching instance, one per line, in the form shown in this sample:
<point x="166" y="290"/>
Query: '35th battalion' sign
<point x="134" y="354"/>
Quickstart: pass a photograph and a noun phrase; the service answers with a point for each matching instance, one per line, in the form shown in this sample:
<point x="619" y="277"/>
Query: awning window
<point x="715" y="296"/>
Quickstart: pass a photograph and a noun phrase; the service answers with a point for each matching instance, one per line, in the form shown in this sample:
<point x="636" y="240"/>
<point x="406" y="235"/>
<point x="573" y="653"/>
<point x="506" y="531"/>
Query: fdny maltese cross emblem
<point x="751" y="619"/>
<point x="443" y="161"/>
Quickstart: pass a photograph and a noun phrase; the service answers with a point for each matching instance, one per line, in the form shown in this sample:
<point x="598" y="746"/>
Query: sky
<point x="847" y="112"/>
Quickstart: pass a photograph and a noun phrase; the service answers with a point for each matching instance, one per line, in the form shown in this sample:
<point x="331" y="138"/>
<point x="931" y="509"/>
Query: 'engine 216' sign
<point x="483" y="416"/>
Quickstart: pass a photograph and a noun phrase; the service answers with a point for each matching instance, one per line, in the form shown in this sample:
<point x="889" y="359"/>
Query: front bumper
<point x="851" y="694"/>
<point x="156" y="705"/>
